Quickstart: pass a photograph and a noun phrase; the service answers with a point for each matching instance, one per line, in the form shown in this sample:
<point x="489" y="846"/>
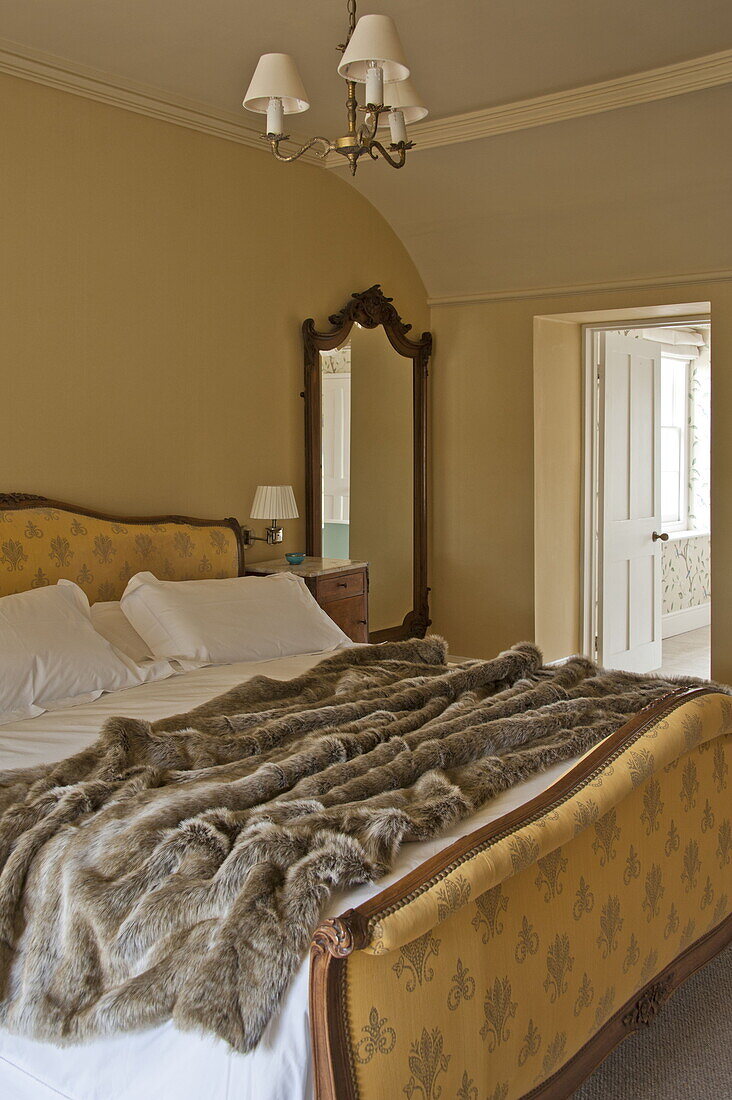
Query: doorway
<point x="647" y="496"/>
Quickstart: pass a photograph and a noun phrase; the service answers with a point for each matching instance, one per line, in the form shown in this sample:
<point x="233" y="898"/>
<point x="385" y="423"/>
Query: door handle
<point x="663" y="537"/>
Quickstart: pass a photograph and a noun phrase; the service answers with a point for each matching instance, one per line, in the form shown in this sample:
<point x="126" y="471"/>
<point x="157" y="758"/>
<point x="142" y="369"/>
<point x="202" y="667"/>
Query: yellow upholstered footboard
<point x="510" y="964"/>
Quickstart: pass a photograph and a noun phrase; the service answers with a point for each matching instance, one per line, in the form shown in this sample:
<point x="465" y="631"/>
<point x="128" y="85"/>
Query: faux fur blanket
<point x="177" y="869"/>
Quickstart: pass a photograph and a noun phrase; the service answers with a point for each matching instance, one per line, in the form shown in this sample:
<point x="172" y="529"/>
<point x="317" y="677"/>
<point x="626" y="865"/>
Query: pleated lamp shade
<point x="274" y="502"/>
<point x="276" y="76"/>
<point x="403" y="96"/>
<point x="374" y="39"/>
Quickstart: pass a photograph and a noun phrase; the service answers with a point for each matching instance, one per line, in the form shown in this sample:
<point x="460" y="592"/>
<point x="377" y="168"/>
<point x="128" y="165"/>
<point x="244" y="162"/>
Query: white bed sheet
<point x="165" y="1063"/>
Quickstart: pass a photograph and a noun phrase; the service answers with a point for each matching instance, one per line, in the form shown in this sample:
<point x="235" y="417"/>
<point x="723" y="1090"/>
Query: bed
<point x="502" y="959"/>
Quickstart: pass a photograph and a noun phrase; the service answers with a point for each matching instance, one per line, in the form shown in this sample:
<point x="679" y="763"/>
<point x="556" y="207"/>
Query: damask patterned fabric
<point x="515" y="960"/>
<point x="39" y="546"/>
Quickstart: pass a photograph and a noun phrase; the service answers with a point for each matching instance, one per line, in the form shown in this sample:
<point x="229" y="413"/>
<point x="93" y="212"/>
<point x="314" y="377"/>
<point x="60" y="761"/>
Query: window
<point x="674" y="442"/>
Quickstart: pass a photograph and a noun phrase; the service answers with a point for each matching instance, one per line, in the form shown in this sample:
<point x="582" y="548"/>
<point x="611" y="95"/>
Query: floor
<point x="688" y="654"/>
<point x="685" y="1055"/>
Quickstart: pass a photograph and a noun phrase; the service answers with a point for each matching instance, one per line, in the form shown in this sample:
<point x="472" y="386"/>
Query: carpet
<point x="686" y="1053"/>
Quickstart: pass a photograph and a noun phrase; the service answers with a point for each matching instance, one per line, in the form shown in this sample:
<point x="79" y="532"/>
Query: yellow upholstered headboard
<point x="43" y="541"/>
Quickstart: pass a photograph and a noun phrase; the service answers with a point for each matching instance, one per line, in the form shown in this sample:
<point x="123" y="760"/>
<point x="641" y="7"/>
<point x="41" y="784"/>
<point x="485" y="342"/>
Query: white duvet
<point x="164" y="1063"/>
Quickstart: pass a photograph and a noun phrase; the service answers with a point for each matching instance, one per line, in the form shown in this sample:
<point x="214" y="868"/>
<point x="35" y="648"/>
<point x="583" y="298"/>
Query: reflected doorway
<point x="336" y="442"/>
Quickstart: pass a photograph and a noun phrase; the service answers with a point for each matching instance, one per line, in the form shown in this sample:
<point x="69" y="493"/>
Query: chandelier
<point x="373" y="57"/>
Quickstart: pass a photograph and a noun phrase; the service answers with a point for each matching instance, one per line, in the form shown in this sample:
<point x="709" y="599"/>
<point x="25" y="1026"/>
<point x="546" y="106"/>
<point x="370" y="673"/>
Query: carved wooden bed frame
<point x="337" y="1020"/>
<point x="357" y="953"/>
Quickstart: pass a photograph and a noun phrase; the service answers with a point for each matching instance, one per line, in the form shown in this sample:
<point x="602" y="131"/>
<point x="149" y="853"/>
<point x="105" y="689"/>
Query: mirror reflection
<point x="367" y="467"/>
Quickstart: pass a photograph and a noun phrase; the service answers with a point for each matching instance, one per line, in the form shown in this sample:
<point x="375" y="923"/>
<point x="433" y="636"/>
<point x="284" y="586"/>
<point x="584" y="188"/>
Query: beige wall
<point x="154" y="283"/>
<point x="557" y="485"/>
<point x="483" y="477"/>
<point x="382" y="491"/>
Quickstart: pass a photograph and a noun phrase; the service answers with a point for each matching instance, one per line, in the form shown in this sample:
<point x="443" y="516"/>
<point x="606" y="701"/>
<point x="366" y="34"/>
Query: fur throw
<point x="177" y="869"/>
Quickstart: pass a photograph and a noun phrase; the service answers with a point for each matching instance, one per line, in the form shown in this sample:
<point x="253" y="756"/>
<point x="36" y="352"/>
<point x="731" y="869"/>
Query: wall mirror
<point x="366" y="455"/>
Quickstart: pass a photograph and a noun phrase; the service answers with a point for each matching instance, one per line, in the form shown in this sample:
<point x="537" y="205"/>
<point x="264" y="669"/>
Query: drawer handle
<point x="343" y="584"/>
<point x="362" y="622"/>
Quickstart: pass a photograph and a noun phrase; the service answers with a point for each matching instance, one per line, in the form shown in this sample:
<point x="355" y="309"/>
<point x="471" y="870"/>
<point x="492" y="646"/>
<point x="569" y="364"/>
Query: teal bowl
<point x="295" y="559"/>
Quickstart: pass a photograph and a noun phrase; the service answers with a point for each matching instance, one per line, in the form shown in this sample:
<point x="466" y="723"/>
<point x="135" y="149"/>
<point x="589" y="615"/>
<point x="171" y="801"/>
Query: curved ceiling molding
<point x="648" y="283"/>
<point x="710" y="71"/>
<point x="56" y="72"/>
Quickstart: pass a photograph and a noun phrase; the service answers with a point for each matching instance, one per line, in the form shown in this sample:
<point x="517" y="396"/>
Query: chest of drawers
<point x="340" y="587"/>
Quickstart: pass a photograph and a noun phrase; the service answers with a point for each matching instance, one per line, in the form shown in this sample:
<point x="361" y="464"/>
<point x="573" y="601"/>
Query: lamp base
<point x="273" y="535"/>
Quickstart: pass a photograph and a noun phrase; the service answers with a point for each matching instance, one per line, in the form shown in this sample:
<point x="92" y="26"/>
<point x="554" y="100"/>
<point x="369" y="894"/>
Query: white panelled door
<point x="630" y="504"/>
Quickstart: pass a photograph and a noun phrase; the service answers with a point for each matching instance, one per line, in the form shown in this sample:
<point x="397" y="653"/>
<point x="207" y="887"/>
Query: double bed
<point x="503" y="958"/>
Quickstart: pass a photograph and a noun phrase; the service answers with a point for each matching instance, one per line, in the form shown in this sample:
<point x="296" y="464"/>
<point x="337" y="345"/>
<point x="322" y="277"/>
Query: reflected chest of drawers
<point x="340" y="587"/>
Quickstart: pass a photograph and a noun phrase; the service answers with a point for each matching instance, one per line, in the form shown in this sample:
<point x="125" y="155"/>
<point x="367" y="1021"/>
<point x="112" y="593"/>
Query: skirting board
<point x="691" y="618"/>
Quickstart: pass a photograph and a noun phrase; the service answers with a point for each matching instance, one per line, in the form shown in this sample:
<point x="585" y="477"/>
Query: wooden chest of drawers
<point x="345" y="598"/>
<point x="340" y="587"/>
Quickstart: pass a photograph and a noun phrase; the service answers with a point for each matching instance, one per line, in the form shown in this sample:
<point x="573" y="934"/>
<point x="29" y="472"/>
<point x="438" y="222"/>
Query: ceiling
<point x="637" y="192"/>
<point x="464" y="55"/>
<point x="452" y="206"/>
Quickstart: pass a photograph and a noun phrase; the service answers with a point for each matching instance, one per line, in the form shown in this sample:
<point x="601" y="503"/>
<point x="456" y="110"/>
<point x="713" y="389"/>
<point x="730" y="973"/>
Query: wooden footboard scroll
<point x="510" y="964"/>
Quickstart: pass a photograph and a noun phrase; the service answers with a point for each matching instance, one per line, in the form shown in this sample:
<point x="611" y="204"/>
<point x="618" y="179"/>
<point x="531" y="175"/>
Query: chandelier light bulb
<point x="397" y="126"/>
<point x="375" y="83"/>
<point x="275" y="116"/>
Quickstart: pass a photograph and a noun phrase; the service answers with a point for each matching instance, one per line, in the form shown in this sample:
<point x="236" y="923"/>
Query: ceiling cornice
<point x="648" y="283"/>
<point x="56" y="72"/>
<point x="710" y="71"/>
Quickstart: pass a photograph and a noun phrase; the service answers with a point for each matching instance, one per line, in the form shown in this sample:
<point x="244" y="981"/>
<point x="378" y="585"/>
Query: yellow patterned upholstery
<point x="39" y="546"/>
<point x="486" y="983"/>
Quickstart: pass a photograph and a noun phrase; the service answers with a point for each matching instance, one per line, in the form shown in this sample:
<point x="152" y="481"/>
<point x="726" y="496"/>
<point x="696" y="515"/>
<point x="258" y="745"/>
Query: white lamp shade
<point x="374" y="39"/>
<point x="403" y="96"/>
<point x="274" y="502"/>
<point x="276" y="76"/>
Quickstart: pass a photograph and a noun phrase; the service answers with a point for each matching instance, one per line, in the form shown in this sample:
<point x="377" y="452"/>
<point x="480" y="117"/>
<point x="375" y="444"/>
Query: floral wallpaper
<point x="700" y="440"/>
<point x="685" y="573"/>
<point x="337" y="361"/>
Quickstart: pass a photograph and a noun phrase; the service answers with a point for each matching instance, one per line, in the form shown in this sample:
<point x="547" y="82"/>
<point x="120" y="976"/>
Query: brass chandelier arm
<point x="367" y="130"/>
<point x="275" y="139"/>
<point x="400" y="148"/>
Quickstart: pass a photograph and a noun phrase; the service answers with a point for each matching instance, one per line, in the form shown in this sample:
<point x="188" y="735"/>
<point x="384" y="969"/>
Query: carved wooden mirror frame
<point x="371" y="308"/>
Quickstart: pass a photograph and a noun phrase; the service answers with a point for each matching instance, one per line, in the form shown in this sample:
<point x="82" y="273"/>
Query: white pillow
<point x="234" y="619"/>
<point x="109" y="620"/>
<point x="51" y="655"/>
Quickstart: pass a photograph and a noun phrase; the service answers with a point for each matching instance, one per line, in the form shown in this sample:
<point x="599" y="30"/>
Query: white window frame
<point x="682" y="524"/>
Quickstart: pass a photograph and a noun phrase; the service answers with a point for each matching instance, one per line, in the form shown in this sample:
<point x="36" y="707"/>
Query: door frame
<point x="592" y="487"/>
